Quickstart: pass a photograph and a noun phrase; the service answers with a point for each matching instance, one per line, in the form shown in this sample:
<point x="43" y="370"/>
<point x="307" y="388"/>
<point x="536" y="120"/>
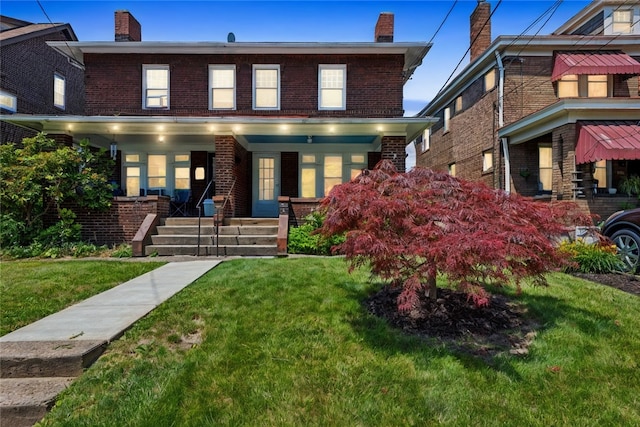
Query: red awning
<point x="607" y="140"/>
<point x="594" y="63"/>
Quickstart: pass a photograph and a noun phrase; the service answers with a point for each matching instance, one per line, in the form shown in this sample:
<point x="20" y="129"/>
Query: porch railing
<point x="199" y="207"/>
<point x="217" y="216"/>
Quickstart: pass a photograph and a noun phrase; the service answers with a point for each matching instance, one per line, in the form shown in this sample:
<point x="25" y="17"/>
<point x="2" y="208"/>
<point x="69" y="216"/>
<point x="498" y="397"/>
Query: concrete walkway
<point x="41" y="359"/>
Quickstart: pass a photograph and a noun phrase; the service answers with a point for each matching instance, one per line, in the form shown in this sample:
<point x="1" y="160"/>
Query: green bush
<point x="122" y="251"/>
<point x="592" y="258"/>
<point x="305" y="240"/>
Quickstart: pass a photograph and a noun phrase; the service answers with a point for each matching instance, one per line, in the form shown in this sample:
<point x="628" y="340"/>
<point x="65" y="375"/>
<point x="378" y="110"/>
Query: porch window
<point x="487" y="160"/>
<point x="308" y="175"/>
<point x="332" y="87"/>
<point x="568" y="86"/>
<point x="357" y="163"/>
<point x="622" y="21"/>
<point x="222" y="87"/>
<point x="133" y="181"/>
<point x="332" y="172"/>
<point x="545" y="163"/>
<point x="155" y="83"/>
<point x="181" y="172"/>
<point x="8" y="101"/>
<point x="266" y="87"/>
<point x="59" y="91"/>
<point x="157" y="175"/>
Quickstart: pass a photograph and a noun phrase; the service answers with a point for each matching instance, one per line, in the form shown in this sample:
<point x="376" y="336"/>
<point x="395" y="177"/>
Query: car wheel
<point x="628" y="244"/>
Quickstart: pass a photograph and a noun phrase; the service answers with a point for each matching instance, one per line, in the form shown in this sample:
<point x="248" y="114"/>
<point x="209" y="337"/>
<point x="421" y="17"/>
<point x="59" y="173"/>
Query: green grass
<point x="31" y="290"/>
<point x="286" y="342"/>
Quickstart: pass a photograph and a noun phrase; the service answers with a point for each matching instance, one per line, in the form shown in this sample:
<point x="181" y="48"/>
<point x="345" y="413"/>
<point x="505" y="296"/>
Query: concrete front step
<point x="209" y="221"/>
<point x="243" y="240"/>
<point x="212" y="250"/>
<point x="210" y="230"/>
<point x="28" y="359"/>
<point x="25" y="401"/>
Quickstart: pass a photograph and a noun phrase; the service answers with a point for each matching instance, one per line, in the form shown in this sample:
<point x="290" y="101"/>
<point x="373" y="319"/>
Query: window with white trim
<point x="332" y="87"/>
<point x="181" y="172"/>
<point x="308" y="175"/>
<point x="59" y="87"/>
<point x="545" y="167"/>
<point x="622" y="21"/>
<point x="487" y="160"/>
<point x="222" y="87"/>
<point x="447" y="119"/>
<point x="8" y="101"/>
<point x="426" y="140"/>
<point x="155" y="87"/>
<point x="319" y="172"/>
<point x="266" y="87"/>
<point x="157" y="171"/>
<point x="133" y="175"/>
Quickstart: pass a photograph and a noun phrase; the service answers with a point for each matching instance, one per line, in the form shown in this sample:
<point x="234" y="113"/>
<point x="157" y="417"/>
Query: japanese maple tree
<point x="410" y="227"/>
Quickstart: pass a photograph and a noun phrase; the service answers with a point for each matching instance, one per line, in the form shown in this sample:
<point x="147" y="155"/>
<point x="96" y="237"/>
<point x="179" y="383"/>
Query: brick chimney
<point x="128" y="29"/>
<point x="384" y="28"/>
<point x="480" y="29"/>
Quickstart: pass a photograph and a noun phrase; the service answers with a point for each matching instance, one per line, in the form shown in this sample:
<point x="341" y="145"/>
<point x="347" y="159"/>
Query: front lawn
<point x="286" y="342"/>
<point x="31" y="290"/>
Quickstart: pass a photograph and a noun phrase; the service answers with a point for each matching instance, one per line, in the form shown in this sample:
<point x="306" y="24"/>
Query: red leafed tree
<point x="410" y="227"/>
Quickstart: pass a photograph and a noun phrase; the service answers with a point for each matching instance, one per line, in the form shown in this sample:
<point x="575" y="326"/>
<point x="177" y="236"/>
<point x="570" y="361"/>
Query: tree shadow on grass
<point x="496" y="336"/>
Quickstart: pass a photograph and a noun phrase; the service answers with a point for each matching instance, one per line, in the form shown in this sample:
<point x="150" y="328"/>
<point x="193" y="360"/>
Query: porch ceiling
<point x="101" y="130"/>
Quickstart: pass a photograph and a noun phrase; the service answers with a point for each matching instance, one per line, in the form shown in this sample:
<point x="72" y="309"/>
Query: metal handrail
<point x="198" y="206"/>
<point x="216" y="221"/>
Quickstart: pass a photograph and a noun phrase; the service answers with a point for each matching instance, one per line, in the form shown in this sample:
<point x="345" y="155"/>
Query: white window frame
<point x="545" y="168"/>
<point x="212" y="70"/>
<point x="315" y="161"/>
<point x="256" y="69"/>
<point x="343" y="89"/>
<point x="181" y="161"/>
<point x="145" y="98"/>
<point x="59" y="91"/>
<point x="8" y="101"/>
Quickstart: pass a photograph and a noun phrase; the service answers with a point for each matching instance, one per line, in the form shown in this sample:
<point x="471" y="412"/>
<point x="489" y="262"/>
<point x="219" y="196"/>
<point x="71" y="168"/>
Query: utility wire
<point x="443" y="21"/>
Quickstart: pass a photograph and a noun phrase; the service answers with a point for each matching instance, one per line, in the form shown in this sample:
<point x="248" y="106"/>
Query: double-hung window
<point x="222" y="87"/>
<point x="545" y="167"/>
<point x="59" y="86"/>
<point x="8" y="101"/>
<point x="622" y="21"/>
<point x="155" y="86"/>
<point x="133" y="174"/>
<point x="157" y="171"/>
<point x="332" y="87"/>
<point x="266" y="87"/>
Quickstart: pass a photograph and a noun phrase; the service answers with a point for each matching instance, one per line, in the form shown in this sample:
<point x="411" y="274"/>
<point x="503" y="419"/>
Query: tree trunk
<point x="431" y="290"/>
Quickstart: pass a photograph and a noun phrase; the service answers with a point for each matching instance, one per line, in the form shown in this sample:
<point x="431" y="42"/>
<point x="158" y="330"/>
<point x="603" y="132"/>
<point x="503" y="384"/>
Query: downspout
<point x="505" y="143"/>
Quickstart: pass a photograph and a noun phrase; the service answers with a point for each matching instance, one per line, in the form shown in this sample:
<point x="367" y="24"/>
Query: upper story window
<point x="222" y="87"/>
<point x="452" y="169"/>
<point x="487" y="160"/>
<point x="426" y="140"/>
<point x="447" y="119"/>
<point x="332" y="87"/>
<point x="458" y="104"/>
<point x="266" y="87"/>
<point x="155" y="86"/>
<point x="8" y="101"/>
<point x="586" y="86"/>
<point x="489" y="80"/>
<point x="59" y="85"/>
<point x="622" y="21"/>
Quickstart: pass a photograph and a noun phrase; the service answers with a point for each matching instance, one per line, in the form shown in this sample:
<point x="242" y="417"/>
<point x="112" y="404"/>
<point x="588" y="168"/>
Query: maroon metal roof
<point x="607" y="140"/>
<point x="594" y="63"/>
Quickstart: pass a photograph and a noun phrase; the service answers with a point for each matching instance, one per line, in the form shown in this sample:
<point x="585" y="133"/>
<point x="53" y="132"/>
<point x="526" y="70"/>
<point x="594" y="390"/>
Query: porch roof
<point x="601" y="62"/>
<point x="104" y="129"/>
<point x="607" y="140"/>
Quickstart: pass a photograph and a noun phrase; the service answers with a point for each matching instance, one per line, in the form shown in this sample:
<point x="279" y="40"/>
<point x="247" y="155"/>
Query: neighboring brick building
<point x="528" y="112"/>
<point x="34" y="77"/>
<point x="276" y="119"/>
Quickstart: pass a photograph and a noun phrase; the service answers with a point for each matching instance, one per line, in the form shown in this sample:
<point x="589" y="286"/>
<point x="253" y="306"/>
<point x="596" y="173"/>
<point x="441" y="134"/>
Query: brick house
<point x="253" y="120"/>
<point x="553" y="117"/>
<point x="34" y="77"/>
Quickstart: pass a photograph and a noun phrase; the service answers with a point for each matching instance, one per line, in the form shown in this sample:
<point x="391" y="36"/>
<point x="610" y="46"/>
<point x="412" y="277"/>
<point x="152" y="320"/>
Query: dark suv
<point x="624" y="229"/>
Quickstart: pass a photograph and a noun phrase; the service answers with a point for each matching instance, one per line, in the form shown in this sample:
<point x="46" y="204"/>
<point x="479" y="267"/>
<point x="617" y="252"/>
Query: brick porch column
<point x="393" y="148"/>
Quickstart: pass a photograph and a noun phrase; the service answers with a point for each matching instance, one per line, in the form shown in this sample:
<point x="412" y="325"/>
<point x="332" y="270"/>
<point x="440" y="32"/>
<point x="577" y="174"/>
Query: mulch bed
<point x="484" y="332"/>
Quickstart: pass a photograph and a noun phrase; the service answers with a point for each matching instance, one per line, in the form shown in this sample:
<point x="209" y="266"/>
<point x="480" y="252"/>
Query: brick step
<point x="29" y="359"/>
<point x="210" y="250"/>
<point x="25" y="401"/>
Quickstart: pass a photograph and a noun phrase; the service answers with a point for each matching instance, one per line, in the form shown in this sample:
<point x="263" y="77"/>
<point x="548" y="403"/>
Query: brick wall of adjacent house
<point x="119" y="223"/>
<point x="374" y="84"/>
<point x="26" y="70"/>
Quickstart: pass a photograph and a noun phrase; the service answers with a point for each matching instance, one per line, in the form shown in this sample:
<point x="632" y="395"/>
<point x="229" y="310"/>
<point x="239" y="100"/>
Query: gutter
<point x="505" y="143"/>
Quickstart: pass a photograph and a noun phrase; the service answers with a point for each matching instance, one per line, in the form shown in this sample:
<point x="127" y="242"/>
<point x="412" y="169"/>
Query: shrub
<point x="305" y="239"/>
<point x="600" y="257"/>
<point x="122" y="251"/>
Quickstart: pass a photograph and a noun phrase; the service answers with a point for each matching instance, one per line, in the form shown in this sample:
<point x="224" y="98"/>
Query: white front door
<point x="266" y="184"/>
